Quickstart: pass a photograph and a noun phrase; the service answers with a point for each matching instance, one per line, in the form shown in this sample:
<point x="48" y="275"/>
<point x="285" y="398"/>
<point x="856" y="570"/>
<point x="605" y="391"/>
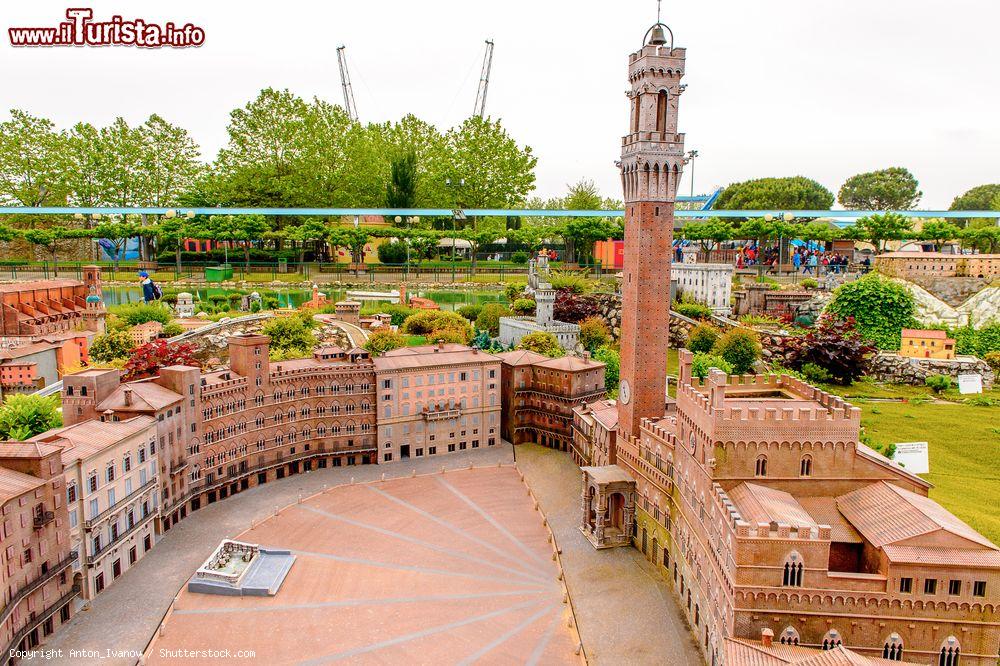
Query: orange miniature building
<point x="918" y="343"/>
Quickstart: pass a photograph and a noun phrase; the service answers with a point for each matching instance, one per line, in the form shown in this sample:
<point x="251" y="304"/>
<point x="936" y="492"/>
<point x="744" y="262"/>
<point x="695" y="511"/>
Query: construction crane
<point x="345" y="83"/>
<point x="484" y="81"/>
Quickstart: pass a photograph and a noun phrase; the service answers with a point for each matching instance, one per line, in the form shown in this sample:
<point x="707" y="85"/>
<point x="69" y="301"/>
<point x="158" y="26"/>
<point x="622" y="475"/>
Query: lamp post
<point x="787" y="217"/>
<point x="690" y="160"/>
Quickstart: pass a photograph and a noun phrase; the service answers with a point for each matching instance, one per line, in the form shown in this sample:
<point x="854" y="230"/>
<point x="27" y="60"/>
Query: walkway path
<point x="125" y="616"/>
<point x="624" y="608"/>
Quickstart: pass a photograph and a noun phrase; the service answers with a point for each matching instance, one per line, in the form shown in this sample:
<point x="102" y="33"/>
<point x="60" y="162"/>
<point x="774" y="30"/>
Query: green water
<point x="448" y="299"/>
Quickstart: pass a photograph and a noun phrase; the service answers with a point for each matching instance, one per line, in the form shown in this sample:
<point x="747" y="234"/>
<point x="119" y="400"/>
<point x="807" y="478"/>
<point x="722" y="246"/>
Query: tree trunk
<point x="177" y="257"/>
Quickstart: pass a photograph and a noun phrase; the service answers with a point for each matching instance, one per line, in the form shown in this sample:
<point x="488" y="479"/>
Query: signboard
<point x="970" y="383"/>
<point x="913" y="457"/>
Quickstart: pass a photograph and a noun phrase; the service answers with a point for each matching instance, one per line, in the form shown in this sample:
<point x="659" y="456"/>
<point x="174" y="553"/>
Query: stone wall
<point x="898" y="369"/>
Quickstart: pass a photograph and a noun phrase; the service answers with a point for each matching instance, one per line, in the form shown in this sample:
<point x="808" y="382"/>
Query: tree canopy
<point x="894" y="188"/>
<point x="792" y="193"/>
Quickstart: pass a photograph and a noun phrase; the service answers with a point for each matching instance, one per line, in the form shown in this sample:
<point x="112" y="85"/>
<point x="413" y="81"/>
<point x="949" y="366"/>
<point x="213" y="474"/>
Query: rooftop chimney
<point x="128" y="396"/>
<point x="766" y="637"/>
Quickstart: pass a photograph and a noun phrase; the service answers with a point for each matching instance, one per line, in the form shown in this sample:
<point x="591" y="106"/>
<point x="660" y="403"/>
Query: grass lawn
<point x="415" y="340"/>
<point x="964" y="442"/>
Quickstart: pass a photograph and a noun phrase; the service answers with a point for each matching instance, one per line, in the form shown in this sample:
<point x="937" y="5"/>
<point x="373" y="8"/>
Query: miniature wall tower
<point x="651" y="165"/>
<point x="94" y="315"/>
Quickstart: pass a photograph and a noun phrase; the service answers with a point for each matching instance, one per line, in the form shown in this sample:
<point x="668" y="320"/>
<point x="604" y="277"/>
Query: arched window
<point x="893" y="648"/>
<point x="832" y="639"/>
<point x="760" y="469"/>
<point x="635" y="113"/>
<point x="949" y="652"/>
<point x="792" y="571"/>
<point x="661" y="111"/>
<point x="806" y="466"/>
<point x="789" y="636"/>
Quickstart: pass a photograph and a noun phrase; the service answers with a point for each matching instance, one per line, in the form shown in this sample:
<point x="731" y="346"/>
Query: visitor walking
<point x="150" y="290"/>
<point x="811" y="265"/>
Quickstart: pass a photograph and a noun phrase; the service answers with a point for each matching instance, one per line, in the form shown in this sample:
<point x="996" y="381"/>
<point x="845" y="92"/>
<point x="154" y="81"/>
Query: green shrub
<point x="110" y="346"/>
<point x="470" y="312"/>
<point x="612" y="366"/>
<point x="542" y="342"/>
<point x="938" y="383"/>
<point x="993" y="360"/>
<point x="172" y="329"/>
<point x="134" y="314"/>
<point x="594" y="333"/>
<point x="489" y="318"/>
<point x="514" y="291"/>
<point x="809" y="283"/>
<point x="702" y="363"/>
<point x="702" y="338"/>
<point x="977" y="342"/>
<point x="439" y="325"/>
<point x="292" y="333"/>
<point x="574" y="282"/>
<point x="759" y="320"/>
<point x="815" y="374"/>
<point x="384" y="340"/>
<point x="519" y="257"/>
<point x="741" y="348"/>
<point x="392" y="253"/>
<point x="693" y="310"/>
<point x="981" y="401"/>
<point x="23" y="415"/>
<point x="881" y="308"/>
<point x="523" y="306"/>
<point x="397" y="311"/>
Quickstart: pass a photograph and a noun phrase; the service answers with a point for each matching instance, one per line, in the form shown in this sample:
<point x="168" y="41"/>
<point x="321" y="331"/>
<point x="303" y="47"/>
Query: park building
<point x="37" y="581"/>
<point x="710" y="284"/>
<point x="111" y="475"/>
<point x="540" y="393"/>
<point x="914" y="265"/>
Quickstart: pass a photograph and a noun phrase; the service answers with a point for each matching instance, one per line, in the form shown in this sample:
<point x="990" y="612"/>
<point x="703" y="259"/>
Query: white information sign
<point x="913" y="457"/>
<point x="970" y="383"/>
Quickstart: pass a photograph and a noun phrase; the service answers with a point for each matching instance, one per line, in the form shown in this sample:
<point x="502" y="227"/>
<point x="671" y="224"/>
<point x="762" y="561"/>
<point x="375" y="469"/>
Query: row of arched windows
<point x="805" y="466"/>
<point x="892" y="648"/>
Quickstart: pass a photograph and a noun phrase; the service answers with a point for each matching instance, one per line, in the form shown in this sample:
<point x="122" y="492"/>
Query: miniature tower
<point x="545" y="298"/>
<point x="94" y="314"/>
<point x="651" y="164"/>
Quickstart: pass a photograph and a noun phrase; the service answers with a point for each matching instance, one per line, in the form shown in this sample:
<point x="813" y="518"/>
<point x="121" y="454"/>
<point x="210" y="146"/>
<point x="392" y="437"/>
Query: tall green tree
<point x="710" y="232"/>
<point x="32" y="161"/>
<point x="311" y="231"/>
<point x="880" y="228"/>
<point x="793" y="193"/>
<point x="894" y="188"/>
<point x="980" y="197"/>
<point x="582" y="195"/>
<point x="401" y="190"/>
<point x="498" y="173"/>
<point x="241" y="230"/>
<point x="50" y="239"/>
<point x="938" y="232"/>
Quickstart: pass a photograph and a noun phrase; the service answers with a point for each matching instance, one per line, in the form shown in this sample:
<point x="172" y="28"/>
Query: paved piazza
<point x="443" y="568"/>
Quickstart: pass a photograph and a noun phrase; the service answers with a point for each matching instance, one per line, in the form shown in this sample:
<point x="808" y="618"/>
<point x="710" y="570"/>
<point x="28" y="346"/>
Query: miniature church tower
<point x="94" y="314"/>
<point x="545" y="299"/>
<point x="651" y="164"/>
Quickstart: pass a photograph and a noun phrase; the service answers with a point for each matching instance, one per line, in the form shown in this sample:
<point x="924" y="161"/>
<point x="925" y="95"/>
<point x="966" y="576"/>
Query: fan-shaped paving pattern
<point x="448" y="568"/>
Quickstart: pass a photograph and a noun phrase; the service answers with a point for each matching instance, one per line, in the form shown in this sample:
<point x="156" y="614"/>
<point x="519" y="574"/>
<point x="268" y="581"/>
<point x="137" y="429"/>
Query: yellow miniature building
<point x="919" y="343"/>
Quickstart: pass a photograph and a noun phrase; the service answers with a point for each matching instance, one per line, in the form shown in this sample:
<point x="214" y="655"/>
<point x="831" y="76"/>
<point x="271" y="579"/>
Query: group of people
<point x="818" y="262"/>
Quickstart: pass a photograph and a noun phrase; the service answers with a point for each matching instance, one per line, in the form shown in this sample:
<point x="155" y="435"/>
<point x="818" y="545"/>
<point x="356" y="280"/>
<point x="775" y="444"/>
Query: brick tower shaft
<point x="651" y="167"/>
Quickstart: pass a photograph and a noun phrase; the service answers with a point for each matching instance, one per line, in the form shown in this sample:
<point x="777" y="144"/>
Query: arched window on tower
<point x="661" y="111"/>
<point x="806" y="465"/>
<point x="635" y="113"/>
<point x="949" y="652"/>
<point x="892" y="649"/>
<point x="791" y="575"/>
<point x="789" y="636"/>
<point x="760" y="469"/>
<point x="832" y="639"/>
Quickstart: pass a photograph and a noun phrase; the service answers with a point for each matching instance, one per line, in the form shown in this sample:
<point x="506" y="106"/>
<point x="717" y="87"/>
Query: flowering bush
<point x="834" y="345"/>
<point x="147" y="360"/>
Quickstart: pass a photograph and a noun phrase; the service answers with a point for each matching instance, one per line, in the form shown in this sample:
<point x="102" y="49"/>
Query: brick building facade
<point x="539" y="394"/>
<point x="909" y="265"/>
<point x="36" y="581"/>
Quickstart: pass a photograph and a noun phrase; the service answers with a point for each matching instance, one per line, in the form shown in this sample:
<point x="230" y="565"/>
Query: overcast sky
<point x="775" y="87"/>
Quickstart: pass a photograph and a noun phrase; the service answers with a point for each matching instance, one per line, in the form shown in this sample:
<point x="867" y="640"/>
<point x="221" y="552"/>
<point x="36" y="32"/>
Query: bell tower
<point x="651" y="165"/>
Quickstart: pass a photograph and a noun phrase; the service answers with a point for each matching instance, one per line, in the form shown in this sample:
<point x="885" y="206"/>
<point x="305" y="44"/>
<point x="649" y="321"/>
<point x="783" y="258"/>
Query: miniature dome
<point x="93" y="298"/>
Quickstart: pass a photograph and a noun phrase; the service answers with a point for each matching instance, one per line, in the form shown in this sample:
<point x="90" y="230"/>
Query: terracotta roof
<point x="27" y="350"/>
<point x="521" y="357"/>
<point x="743" y="652"/>
<point x="82" y="440"/>
<point x="978" y="558"/>
<point x="146" y="396"/>
<point x="824" y="512"/>
<point x="924" y="333"/>
<point x="606" y="412"/>
<point x="429" y="356"/>
<point x="608" y="474"/>
<point x="884" y="514"/>
<point x="26" y="449"/>
<point x="14" y="484"/>
<point x="871" y="454"/>
<point x="759" y="504"/>
<point x="38" y="284"/>
<point x="571" y="363"/>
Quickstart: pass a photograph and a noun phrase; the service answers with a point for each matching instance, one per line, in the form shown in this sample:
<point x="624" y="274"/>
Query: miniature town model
<point x="512" y="329"/>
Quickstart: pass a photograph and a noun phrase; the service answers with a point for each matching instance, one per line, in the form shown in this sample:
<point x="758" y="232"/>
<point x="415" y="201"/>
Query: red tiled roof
<point x="428" y="356"/>
<point x="26" y="449"/>
<point x="571" y="363"/>
<point x="521" y="357"/>
<point x="146" y="396"/>
<point x="759" y="504"/>
<point x="885" y="514"/>
<point x="84" y="439"/>
<point x="976" y="558"/>
<point x="743" y="652"/>
<point x="14" y="484"/>
<point x="824" y="512"/>
<point x="924" y="333"/>
<point x="38" y="284"/>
